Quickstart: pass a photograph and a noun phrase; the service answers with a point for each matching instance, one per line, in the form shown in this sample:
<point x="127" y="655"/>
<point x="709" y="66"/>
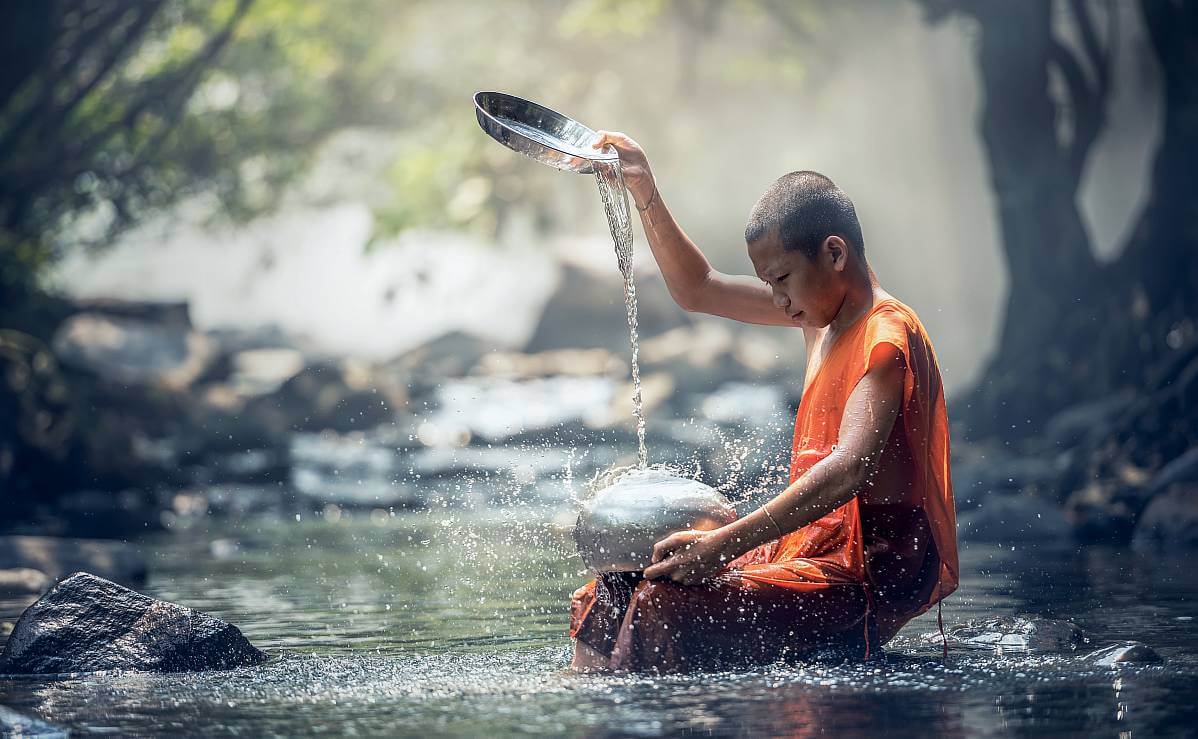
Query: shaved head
<point x="805" y="208"/>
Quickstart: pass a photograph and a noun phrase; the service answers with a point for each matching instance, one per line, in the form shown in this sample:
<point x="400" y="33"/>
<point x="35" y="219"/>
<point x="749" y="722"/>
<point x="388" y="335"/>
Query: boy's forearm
<point x="682" y="264"/>
<point x="824" y="488"/>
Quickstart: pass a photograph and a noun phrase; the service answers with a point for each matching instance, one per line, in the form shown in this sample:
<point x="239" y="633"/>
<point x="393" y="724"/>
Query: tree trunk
<point x="1052" y="272"/>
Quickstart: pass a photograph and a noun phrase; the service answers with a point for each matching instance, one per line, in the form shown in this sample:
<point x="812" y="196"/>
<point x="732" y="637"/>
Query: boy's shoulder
<point x="893" y="309"/>
<point x="892" y="317"/>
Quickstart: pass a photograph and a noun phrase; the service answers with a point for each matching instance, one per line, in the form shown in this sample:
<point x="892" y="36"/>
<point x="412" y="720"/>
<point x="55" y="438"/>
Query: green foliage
<point x="111" y="111"/>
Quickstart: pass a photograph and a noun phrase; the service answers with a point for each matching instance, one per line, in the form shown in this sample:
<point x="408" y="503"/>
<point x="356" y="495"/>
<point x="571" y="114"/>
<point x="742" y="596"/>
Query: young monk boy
<point x="864" y="537"/>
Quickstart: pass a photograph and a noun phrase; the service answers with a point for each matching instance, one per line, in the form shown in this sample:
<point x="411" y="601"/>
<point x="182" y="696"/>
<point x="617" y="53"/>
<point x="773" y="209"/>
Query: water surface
<point x="451" y="622"/>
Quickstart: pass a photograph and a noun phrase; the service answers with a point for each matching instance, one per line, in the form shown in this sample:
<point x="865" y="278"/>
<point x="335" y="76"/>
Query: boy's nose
<point x="781" y="300"/>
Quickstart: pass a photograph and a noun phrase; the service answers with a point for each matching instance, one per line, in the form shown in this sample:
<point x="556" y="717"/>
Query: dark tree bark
<point x="1074" y="330"/>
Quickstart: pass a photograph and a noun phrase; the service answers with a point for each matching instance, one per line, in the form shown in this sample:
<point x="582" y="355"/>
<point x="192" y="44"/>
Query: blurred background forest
<point x="255" y="251"/>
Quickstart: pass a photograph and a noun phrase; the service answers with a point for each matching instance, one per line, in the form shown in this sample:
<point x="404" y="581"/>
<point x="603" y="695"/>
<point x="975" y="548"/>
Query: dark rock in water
<point x="19" y="725"/>
<point x="1170" y="521"/>
<point x="23" y="581"/>
<point x="1132" y="652"/>
<point x="1018" y="634"/>
<point x="58" y="557"/>
<point x="88" y="624"/>
<point x="1006" y="518"/>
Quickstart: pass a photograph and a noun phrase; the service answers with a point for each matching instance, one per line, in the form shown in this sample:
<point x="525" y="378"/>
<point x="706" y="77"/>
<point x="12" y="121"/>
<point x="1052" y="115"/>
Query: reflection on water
<point x="453" y="622"/>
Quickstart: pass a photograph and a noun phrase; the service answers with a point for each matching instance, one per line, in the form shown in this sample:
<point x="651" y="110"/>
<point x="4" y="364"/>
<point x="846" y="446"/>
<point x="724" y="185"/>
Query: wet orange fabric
<point x="821" y="569"/>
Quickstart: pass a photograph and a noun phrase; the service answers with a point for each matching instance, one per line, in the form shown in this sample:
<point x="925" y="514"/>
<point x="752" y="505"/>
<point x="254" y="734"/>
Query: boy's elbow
<point x="688" y="303"/>
<point x="687" y="300"/>
<point x="690" y="298"/>
<point x="858" y="470"/>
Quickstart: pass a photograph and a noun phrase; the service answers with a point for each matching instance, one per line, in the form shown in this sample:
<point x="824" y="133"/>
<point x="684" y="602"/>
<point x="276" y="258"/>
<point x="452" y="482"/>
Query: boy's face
<point x="809" y="291"/>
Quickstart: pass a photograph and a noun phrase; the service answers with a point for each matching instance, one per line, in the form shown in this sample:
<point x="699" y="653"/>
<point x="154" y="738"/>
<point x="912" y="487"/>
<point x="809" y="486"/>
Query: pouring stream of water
<point x="610" y="179"/>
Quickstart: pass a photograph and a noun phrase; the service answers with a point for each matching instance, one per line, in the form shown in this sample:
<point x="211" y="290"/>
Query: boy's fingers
<point x="663" y="548"/>
<point x="615" y="138"/>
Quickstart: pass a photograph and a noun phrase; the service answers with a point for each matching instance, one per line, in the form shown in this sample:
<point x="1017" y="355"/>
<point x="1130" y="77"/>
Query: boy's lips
<point x="795" y="317"/>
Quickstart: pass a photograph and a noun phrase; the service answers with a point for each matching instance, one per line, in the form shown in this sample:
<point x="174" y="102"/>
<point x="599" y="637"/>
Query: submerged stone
<point x="619" y="525"/>
<point x="1132" y="652"/>
<point x="88" y="624"/>
<point x="17" y="724"/>
<point x="1019" y="634"/>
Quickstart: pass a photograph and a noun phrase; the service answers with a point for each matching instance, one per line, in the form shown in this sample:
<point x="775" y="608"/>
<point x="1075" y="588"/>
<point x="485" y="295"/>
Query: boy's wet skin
<point x="863" y="538"/>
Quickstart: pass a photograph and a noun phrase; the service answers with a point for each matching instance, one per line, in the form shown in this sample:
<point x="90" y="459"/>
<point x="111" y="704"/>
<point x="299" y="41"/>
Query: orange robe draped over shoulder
<point x="816" y="586"/>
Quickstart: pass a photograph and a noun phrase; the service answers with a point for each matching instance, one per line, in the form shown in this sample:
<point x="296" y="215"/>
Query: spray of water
<point x="610" y="179"/>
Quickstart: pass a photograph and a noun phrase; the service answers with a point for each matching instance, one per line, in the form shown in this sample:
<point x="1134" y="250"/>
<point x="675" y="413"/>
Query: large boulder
<point x="133" y="351"/>
<point x="1086" y="422"/>
<point x="1181" y="470"/>
<point x="587" y="310"/>
<point x="175" y="313"/>
<point x="1170" y="521"/>
<point x="37" y="424"/>
<point x="88" y="624"/>
<point x="57" y="557"/>
<point x="452" y="354"/>
<point x="1006" y="518"/>
<point x="337" y="395"/>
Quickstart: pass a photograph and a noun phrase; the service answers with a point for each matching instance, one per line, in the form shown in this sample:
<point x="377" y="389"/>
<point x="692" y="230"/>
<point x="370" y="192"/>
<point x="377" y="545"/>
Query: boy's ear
<point x="837" y="252"/>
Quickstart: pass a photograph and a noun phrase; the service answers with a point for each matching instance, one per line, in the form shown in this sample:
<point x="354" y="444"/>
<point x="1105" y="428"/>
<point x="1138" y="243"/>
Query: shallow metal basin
<point x="538" y="132"/>
<point x="619" y="525"/>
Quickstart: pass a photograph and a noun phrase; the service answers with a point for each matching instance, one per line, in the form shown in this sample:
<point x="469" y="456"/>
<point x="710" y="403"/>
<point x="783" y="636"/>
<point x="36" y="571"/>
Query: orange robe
<point x="848" y="581"/>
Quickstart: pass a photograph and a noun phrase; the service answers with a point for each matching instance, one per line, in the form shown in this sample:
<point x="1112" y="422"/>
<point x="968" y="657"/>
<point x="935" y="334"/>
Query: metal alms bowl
<point x="538" y="132"/>
<point x="619" y="525"/>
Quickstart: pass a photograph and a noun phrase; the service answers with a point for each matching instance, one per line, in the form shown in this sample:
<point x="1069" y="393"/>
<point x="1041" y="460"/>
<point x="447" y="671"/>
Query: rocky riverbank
<point x="128" y="419"/>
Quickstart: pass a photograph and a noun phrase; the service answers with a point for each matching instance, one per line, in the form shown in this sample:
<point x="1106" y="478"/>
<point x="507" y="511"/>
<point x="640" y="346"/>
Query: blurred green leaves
<point x="111" y="111"/>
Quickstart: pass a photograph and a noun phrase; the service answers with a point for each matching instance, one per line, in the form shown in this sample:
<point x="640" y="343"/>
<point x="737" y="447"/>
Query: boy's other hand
<point x="688" y="557"/>
<point x="635" y="165"/>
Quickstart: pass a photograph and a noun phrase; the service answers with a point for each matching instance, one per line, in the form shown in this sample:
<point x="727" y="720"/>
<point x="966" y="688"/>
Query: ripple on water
<point x="512" y="691"/>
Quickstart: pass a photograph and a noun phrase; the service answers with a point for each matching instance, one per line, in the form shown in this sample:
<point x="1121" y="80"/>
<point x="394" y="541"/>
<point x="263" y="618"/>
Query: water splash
<point x="610" y="179"/>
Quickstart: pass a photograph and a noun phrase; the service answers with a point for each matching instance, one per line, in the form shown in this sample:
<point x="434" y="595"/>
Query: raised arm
<point x="692" y="282"/>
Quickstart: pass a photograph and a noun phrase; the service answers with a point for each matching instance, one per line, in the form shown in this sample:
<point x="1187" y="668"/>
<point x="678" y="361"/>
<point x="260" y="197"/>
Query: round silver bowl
<point x="538" y="132"/>
<point x="619" y="525"/>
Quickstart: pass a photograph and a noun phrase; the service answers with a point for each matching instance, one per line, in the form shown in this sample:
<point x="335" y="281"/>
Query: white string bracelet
<point x="766" y="511"/>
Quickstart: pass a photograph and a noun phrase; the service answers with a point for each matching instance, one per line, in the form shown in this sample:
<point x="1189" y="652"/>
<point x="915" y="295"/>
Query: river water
<point x="451" y="622"/>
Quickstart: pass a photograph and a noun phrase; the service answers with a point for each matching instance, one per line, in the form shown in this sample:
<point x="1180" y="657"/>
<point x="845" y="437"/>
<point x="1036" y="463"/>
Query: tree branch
<point x="1099" y="58"/>
<point x="127" y="43"/>
<point x="74" y="55"/>
<point x="69" y="163"/>
<point x="1088" y="103"/>
<point x="779" y="10"/>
